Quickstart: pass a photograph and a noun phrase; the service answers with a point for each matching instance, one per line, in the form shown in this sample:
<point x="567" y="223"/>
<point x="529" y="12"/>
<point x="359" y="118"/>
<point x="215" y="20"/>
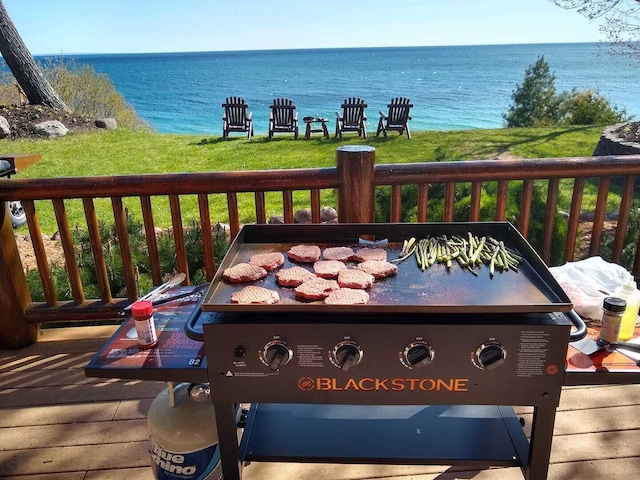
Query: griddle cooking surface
<point x="531" y="289"/>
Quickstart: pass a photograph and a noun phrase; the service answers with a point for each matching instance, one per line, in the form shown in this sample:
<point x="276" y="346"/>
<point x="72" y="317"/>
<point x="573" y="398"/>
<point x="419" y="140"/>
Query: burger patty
<point x="243" y="272"/>
<point x="342" y="254"/>
<point x="268" y="261"/>
<point x="252" y="294"/>
<point x="378" y="268"/>
<point x="347" y="296"/>
<point x="328" y="268"/>
<point x="293" y="276"/>
<point x="364" y="254"/>
<point x="354" y="278"/>
<point x="304" y="253"/>
<point x="316" y="288"/>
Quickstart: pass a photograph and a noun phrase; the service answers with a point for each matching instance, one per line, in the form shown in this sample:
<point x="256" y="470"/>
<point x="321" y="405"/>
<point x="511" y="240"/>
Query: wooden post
<point x="15" y="331"/>
<point x="356" y="164"/>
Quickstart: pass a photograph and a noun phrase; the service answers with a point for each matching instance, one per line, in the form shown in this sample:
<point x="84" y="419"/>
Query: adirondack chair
<point x="283" y="117"/>
<point x="398" y="117"/>
<point x="236" y="118"/>
<point x="353" y="118"/>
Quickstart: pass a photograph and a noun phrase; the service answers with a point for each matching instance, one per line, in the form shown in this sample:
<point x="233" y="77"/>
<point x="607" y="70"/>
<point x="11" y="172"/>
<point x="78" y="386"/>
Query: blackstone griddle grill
<point x="426" y="373"/>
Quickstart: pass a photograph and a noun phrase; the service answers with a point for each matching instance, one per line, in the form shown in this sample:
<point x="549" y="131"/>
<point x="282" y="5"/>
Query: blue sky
<point x="140" y="26"/>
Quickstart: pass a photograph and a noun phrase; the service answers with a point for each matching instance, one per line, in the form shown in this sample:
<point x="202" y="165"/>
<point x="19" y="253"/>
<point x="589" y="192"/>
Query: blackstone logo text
<point x="384" y="384"/>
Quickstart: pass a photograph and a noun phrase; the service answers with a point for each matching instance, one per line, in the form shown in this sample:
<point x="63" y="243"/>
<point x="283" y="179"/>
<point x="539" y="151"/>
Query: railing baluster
<point x="449" y="201"/>
<point x="423" y="202"/>
<point x="396" y="204"/>
<point x="232" y="208"/>
<point x="151" y="240"/>
<point x="178" y="236"/>
<point x="102" y="277"/>
<point x="501" y="200"/>
<point x="207" y="240"/>
<point x="261" y="211"/>
<point x="574" y="219"/>
<point x="598" y="217"/>
<point x="550" y="219"/>
<point x="125" y="248"/>
<point x="315" y="205"/>
<point x="287" y="205"/>
<point x="39" y="251"/>
<point x="69" y="254"/>
<point x="623" y="217"/>
<point x="525" y="207"/>
<point x="476" y="196"/>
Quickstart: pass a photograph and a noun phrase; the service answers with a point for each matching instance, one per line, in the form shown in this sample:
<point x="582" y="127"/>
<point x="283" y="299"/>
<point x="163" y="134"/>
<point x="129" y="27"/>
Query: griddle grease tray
<point x="531" y="289"/>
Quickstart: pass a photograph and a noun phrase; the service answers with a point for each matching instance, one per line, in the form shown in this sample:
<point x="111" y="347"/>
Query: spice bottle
<point x="630" y="294"/>
<point x="612" y="311"/>
<point x="142" y="312"/>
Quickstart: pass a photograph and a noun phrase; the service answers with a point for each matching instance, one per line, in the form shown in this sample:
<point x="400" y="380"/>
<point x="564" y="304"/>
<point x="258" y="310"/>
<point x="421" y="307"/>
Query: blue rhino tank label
<point x="198" y="465"/>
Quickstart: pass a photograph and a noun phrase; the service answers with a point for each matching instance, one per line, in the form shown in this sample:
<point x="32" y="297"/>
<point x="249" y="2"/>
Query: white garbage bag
<point x="587" y="282"/>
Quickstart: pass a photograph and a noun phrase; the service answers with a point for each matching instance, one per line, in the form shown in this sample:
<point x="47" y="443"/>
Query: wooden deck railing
<point x="355" y="181"/>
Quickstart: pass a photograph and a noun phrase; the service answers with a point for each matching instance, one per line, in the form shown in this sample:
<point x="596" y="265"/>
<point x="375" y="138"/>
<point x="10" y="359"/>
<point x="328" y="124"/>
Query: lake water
<point x="451" y="87"/>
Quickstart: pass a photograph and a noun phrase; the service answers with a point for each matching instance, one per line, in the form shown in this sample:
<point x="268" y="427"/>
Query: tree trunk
<point x="24" y="67"/>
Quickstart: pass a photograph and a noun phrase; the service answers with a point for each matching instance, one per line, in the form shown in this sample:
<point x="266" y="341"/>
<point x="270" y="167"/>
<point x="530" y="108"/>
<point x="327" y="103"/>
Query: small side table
<point x="309" y="121"/>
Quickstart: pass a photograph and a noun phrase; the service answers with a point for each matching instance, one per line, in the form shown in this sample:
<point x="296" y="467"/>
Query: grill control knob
<point x="417" y="355"/>
<point x="276" y="354"/>
<point x="346" y="354"/>
<point x="489" y="355"/>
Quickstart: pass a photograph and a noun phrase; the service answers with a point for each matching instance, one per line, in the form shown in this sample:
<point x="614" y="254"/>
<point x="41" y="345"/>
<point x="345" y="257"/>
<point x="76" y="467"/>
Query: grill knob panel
<point x="490" y="355"/>
<point x="276" y="354"/>
<point x="346" y="354"/>
<point x="417" y="355"/>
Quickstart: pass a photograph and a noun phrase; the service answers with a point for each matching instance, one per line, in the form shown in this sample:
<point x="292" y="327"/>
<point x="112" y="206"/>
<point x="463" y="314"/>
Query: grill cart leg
<point x="228" y="440"/>
<point x="541" y="437"/>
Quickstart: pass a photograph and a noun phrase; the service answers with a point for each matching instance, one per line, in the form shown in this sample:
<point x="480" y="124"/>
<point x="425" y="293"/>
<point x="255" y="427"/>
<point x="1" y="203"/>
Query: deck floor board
<point x="57" y="424"/>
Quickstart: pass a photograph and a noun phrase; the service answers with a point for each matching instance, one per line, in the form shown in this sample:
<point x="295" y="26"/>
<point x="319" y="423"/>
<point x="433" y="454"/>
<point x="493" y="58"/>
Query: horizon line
<point x="315" y="48"/>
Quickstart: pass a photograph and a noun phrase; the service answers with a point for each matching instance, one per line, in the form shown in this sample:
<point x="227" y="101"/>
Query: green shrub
<point x="83" y="90"/>
<point x="589" y="108"/>
<point x="140" y="258"/>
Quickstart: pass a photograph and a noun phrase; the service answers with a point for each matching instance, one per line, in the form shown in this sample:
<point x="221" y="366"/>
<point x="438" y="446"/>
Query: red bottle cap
<point x="142" y="308"/>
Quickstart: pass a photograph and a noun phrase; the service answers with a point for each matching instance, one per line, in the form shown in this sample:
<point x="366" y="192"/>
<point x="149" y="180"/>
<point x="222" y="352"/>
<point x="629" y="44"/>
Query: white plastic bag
<point x="587" y="282"/>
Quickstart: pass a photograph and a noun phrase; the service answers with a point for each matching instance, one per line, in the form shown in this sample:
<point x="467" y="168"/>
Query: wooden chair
<point x="398" y="117"/>
<point x="283" y="117"/>
<point x="236" y="118"/>
<point x="353" y="118"/>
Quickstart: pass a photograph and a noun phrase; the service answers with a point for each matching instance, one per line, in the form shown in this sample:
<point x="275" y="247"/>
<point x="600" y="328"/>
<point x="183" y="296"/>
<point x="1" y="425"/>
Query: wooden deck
<point x="57" y="424"/>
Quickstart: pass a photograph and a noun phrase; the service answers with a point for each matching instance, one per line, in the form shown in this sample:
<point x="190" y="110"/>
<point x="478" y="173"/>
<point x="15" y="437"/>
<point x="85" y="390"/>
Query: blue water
<point x="451" y="87"/>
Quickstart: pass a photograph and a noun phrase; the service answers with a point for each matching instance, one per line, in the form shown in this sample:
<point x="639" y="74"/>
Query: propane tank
<point x="183" y="438"/>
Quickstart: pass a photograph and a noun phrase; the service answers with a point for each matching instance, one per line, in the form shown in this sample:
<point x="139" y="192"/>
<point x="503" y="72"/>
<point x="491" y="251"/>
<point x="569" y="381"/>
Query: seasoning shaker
<point x="142" y="312"/>
<point x="612" y="310"/>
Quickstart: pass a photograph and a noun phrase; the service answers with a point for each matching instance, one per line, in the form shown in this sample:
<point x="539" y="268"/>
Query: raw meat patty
<point x="243" y="272"/>
<point x="347" y="296"/>
<point x="364" y="254"/>
<point x="316" y="288"/>
<point x="342" y="254"/>
<point x="268" y="261"/>
<point x="328" y="268"/>
<point x="252" y="294"/>
<point x="304" y="253"/>
<point x="378" y="268"/>
<point x="292" y="277"/>
<point x="354" y="278"/>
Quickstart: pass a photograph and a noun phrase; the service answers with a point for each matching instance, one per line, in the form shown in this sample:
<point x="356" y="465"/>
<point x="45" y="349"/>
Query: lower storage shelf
<point x="477" y="435"/>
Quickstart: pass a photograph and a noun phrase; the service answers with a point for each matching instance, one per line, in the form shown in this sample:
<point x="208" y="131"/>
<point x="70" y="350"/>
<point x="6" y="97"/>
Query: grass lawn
<point x="135" y="152"/>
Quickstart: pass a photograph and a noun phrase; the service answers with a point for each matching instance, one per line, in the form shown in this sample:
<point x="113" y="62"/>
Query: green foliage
<point x="534" y="101"/>
<point x="462" y="205"/>
<point x="140" y="257"/>
<point x="89" y="93"/>
<point x="632" y="233"/>
<point x="82" y="89"/>
<point x="589" y="108"/>
<point x="536" y="104"/>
